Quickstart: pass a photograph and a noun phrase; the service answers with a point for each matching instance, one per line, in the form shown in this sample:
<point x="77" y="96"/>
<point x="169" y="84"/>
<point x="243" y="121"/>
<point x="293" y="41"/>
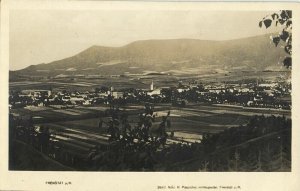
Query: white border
<point x="14" y="180"/>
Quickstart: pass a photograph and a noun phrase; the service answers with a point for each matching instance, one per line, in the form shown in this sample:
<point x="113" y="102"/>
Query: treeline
<point x="264" y="144"/>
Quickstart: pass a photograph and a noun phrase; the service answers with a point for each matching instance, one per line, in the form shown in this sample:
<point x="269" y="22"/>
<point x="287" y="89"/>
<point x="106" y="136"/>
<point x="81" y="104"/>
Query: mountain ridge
<point x="163" y="55"/>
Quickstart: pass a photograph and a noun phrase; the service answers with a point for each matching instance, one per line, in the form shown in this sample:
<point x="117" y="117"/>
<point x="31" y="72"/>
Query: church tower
<point x="152" y="86"/>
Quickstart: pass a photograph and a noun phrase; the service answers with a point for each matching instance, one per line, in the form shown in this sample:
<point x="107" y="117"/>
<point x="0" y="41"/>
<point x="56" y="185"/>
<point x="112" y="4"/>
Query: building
<point x="117" y="95"/>
<point x="154" y="92"/>
<point x="37" y="93"/>
<point x="152" y="86"/>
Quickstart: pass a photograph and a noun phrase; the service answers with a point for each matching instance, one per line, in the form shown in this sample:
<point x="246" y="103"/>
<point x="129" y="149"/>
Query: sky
<point x="43" y="36"/>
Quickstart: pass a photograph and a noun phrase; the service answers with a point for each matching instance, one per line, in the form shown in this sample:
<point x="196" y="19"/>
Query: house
<point x="154" y="92"/>
<point x="77" y="100"/>
<point x="37" y="93"/>
<point x="117" y="95"/>
<point x="180" y="90"/>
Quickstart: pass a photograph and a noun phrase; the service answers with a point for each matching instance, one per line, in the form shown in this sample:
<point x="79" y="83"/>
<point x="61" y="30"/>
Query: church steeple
<point x="152" y="86"/>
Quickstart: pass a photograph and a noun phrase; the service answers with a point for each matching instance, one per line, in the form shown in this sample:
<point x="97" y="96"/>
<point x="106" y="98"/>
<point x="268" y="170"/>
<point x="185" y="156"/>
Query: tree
<point x="282" y="18"/>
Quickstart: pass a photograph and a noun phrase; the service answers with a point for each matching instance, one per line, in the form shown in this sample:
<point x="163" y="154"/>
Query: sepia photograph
<point x="147" y="94"/>
<point x="165" y="89"/>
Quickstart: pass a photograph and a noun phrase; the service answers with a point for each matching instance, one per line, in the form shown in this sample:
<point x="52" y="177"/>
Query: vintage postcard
<point x="164" y="96"/>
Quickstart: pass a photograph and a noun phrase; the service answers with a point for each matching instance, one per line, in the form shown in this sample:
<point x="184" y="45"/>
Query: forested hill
<point x="168" y="56"/>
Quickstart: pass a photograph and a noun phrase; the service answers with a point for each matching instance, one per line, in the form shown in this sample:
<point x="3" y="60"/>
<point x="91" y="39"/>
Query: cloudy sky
<point x="42" y="36"/>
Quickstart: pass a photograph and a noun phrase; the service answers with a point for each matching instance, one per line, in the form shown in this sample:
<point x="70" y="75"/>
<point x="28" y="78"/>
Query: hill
<point x="174" y="56"/>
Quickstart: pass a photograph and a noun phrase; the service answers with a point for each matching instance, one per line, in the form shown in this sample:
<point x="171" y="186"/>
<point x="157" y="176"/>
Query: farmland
<point x="83" y="83"/>
<point x="195" y="119"/>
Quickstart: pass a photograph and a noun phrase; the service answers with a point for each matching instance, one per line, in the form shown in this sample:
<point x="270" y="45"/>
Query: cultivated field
<point x="141" y="81"/>
<point x="187" y="122"/>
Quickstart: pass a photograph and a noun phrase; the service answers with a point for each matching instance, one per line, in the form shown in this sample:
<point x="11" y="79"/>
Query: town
<point x="265" y="94"/>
